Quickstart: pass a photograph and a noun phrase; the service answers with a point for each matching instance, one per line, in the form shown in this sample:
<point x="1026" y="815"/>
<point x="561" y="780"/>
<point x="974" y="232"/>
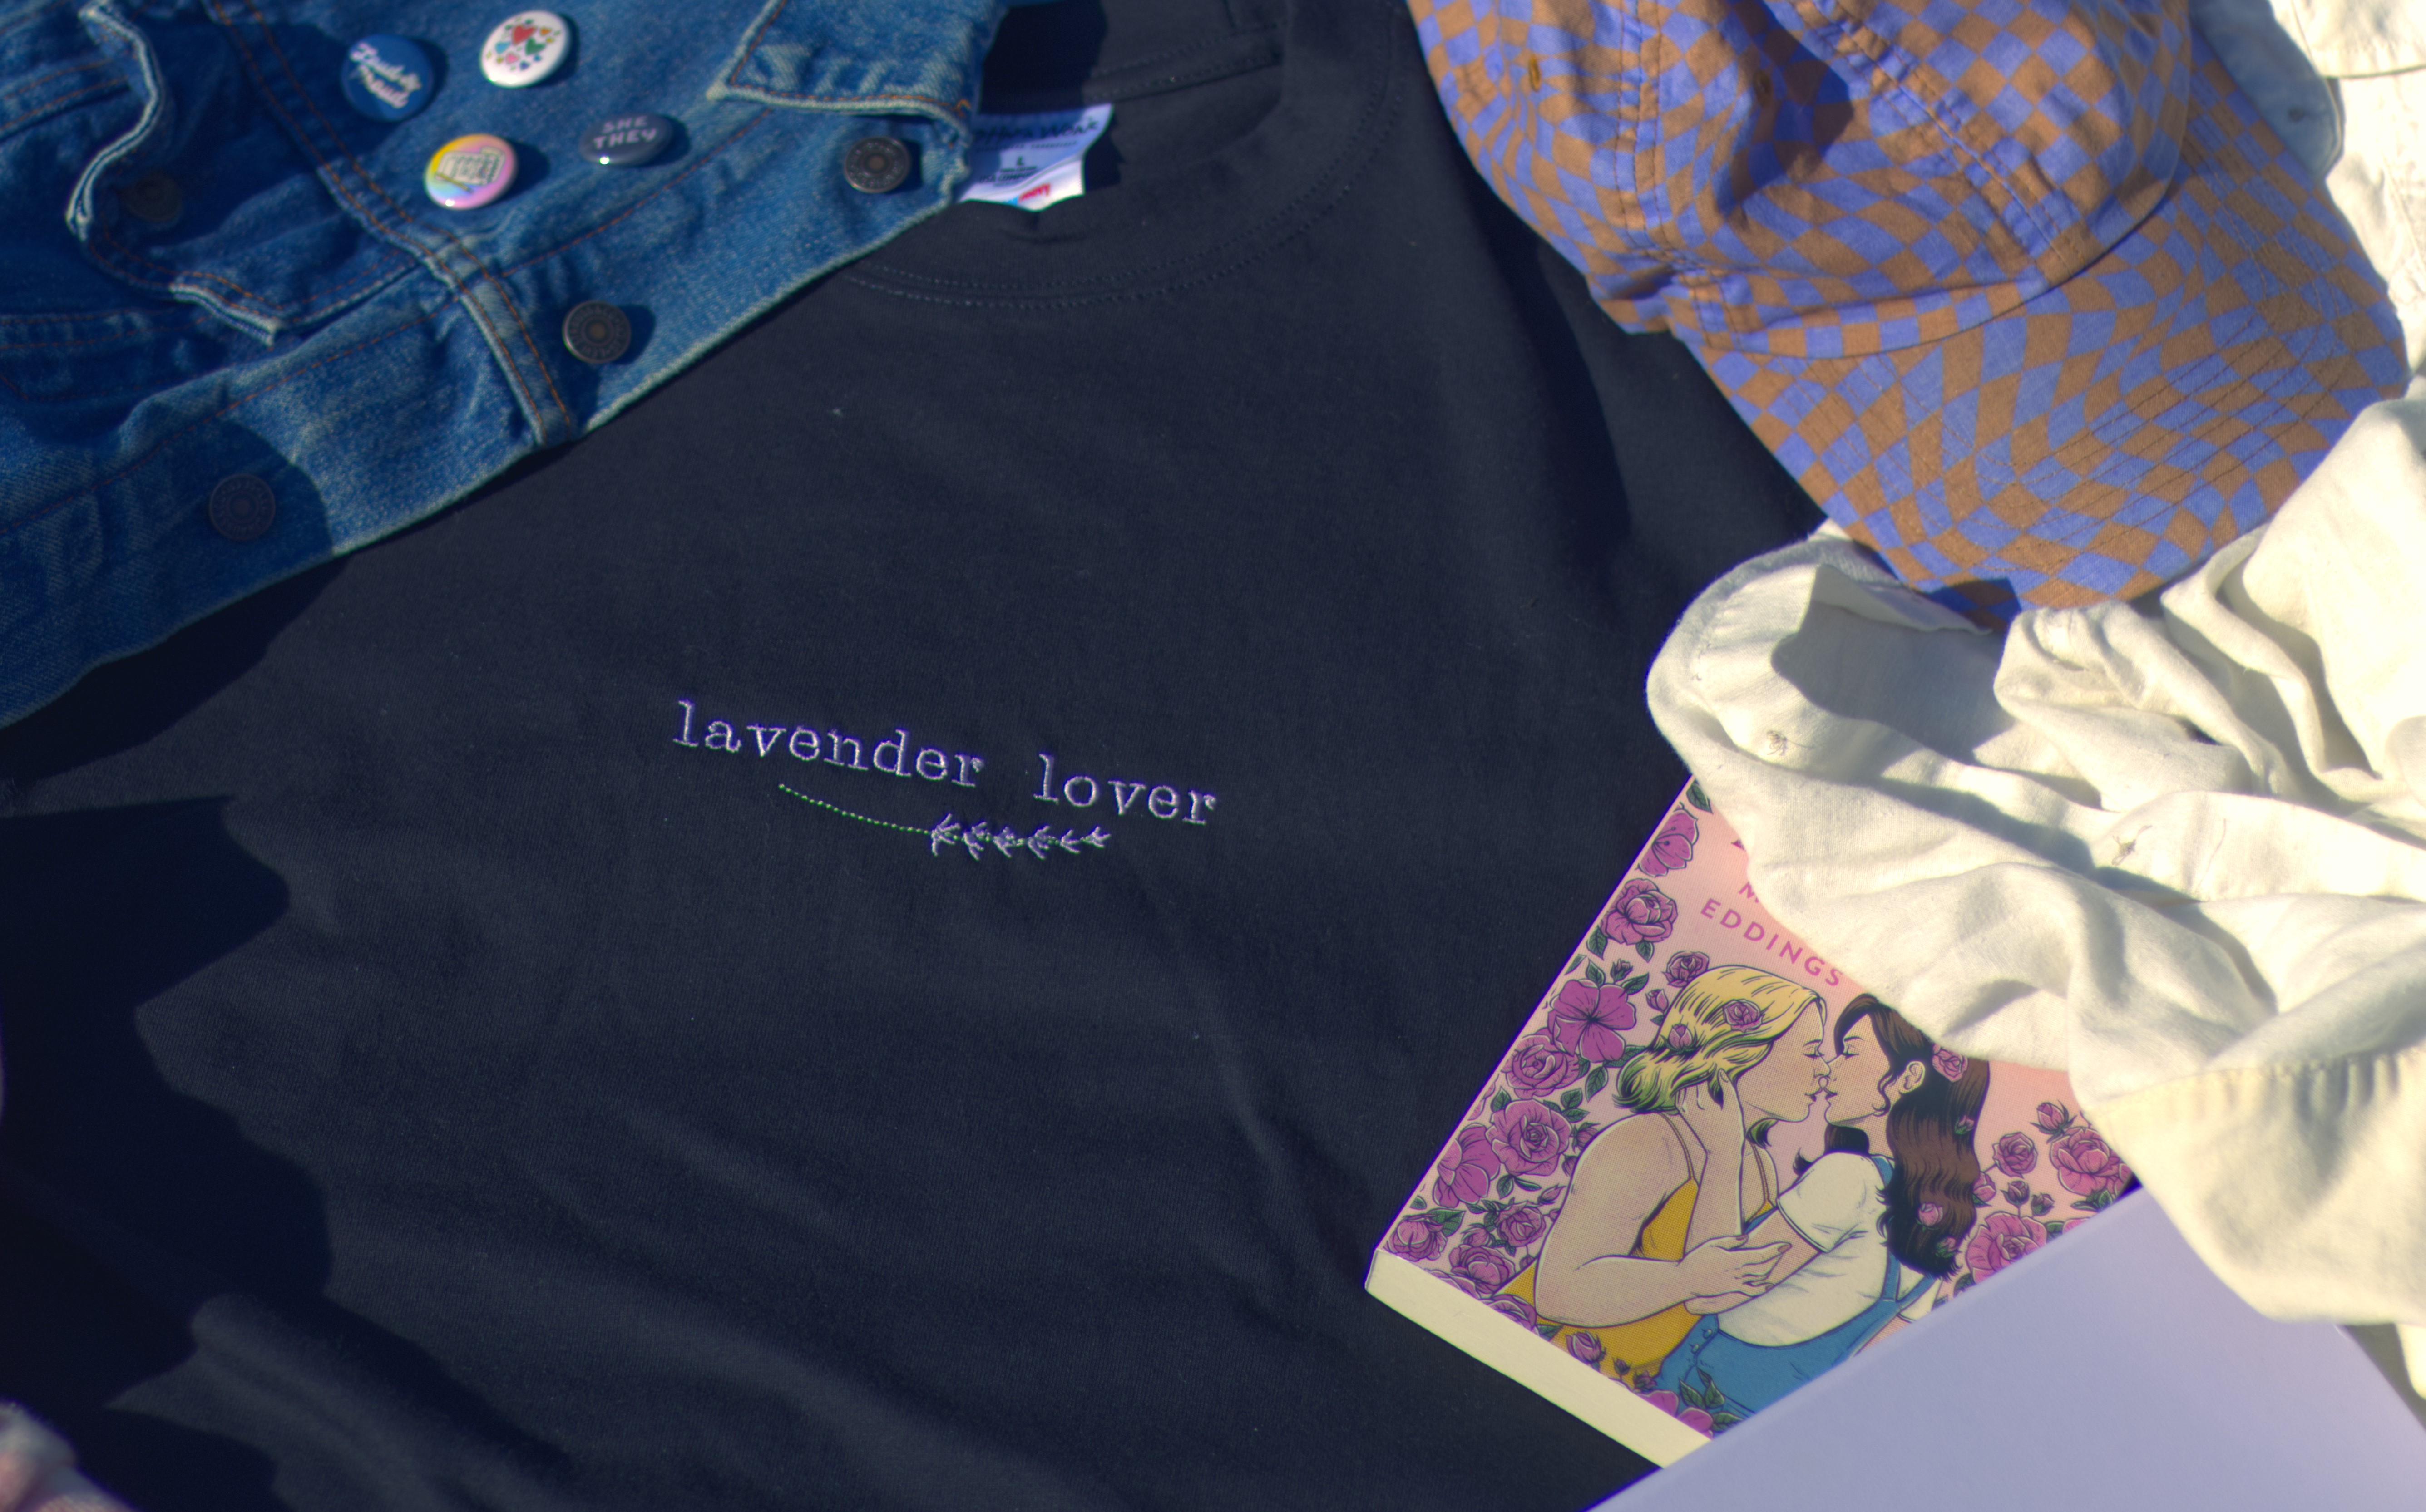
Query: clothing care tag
<point x="1035" y="160"/>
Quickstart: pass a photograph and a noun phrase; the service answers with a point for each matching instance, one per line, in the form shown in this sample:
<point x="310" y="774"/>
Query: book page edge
<point x="1529" y="1359"/>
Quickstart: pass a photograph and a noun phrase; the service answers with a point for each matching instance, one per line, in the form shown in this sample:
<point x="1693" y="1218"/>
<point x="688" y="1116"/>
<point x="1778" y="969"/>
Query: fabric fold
<point x="38" y="1470"/>
<point x="2177" y="848"/>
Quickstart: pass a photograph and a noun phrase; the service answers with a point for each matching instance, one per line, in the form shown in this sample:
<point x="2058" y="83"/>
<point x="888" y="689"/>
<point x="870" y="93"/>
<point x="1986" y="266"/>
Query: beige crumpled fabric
<point x="2177" y="850"/>
<point x="38" y="1470"/>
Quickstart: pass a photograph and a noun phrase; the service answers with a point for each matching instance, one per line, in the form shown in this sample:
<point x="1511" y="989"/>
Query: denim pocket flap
<point x="202" y="195"/>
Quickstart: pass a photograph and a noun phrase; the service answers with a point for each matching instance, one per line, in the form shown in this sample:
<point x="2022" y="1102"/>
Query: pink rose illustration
<point x="1984" y="1189"/>
<point x="1642" y="914"/>
<point x="1691" y="1416"/>
<point x="1539" y="1066"/>
<point x="2087" y="1166"/>
<point x="1517" y="1309"/>
<point x="1592" y="1021"/>
<point x="1673" y="846"/>
<point x="1414" y="1239"/>
<point x="2001" y="1239"/>
<point x="1656" y="999"/>
<point x="1741" y="1013"/>
<point x="1585" y="1135"/>
<point x="1584" y="1346"/>
<point x="1528" y="1137"/>
<point x="1467" y="1170"/>
<point x="1522" y="1226"/>
<point x="1683" y="967"/>
<point x="2041" y="1205"/>
<point x="2018" y="1193"/>
<point x="2052" y="1118"/>
<point x="1482" y="1269"/>
<point x="1931" y="1213"/>
<point x="1680" y="1037"/>
<point x="2016" y="1154"/>
<point x="1948" y="1064"/>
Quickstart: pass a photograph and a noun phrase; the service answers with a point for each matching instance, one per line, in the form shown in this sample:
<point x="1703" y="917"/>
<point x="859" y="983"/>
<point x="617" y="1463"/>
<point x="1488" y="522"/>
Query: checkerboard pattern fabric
<point x="2025" y="292"/>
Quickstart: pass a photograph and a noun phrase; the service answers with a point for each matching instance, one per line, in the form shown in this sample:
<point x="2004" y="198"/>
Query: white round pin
<point x="525" y="48"/>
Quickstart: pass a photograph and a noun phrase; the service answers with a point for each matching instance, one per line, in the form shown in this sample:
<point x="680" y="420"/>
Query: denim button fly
<point x="155" y="198"/>
<point x="876" y="165"/>
<point x="597" y="332"/>
<point x="242" y="507"/>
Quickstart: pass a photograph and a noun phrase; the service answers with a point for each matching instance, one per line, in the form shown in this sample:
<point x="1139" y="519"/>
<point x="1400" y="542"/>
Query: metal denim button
<point x="597" y="332"/>
<point x="387" y="78"/>
<point x="156" y="196"/>
<point x="525" y="48"/>
<point x="242" y="507"/>
<point x="876" y="165"/>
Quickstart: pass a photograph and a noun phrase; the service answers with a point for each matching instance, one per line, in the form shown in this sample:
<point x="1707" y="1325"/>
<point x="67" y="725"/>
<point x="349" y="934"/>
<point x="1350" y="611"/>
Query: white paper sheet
<point x="2110" y="1371"/>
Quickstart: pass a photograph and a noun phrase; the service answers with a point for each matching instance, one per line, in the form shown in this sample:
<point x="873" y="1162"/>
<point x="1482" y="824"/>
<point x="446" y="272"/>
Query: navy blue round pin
<point x="388" y="78"/>
<point x="627" y="142"/>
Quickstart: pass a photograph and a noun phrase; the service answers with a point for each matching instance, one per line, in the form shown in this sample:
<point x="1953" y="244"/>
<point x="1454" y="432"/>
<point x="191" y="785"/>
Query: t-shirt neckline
<point x="1341" y="86"/>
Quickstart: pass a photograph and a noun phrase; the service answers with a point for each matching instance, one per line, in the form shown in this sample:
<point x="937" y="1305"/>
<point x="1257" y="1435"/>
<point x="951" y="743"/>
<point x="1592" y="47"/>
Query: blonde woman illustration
<point x="1656" y="1216"/>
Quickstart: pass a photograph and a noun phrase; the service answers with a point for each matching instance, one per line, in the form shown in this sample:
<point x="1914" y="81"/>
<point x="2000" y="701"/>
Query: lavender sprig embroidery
<point x="1039" y="842"/>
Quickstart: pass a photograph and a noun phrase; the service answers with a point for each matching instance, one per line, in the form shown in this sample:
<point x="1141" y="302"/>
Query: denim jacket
<point x="212" y="266"/>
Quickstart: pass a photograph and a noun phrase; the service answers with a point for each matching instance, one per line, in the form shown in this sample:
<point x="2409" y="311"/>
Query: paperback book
<point x="1712" y="1167"/>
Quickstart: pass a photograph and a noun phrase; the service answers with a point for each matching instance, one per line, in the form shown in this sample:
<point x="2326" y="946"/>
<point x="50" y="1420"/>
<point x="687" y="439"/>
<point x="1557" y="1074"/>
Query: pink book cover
<point x="1712" y="1167"/>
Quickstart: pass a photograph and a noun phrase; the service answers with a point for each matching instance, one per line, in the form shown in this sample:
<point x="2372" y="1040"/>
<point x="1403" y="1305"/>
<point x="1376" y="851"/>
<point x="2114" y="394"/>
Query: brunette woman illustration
<point x="1866" y="1236"/>
<point x="1655" y="1216"/>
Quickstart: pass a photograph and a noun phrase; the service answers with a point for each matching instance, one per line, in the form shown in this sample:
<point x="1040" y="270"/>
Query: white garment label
<point x="1035" y="160"/>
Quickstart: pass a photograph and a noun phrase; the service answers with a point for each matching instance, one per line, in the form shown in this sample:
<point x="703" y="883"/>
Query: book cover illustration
<point x="1712" y="1167"/>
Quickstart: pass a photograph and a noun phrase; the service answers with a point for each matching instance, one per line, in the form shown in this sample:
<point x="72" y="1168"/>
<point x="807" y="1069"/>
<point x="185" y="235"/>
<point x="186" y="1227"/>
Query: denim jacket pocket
<point x="201" y="198"/>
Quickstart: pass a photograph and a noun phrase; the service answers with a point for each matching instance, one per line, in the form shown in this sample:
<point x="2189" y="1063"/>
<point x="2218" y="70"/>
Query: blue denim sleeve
<point x="211" y="267"/>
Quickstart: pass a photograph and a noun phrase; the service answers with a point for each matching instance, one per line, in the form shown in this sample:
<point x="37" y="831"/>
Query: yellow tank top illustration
<point x="1632" y="1352"/>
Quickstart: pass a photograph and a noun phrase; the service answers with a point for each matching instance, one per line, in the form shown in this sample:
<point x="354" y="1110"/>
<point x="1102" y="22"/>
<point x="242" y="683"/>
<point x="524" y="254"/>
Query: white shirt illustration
<point x="1837" y="1205"/>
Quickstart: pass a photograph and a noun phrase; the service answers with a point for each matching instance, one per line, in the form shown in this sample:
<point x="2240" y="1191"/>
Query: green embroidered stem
<point x="881" y="824"/>
<point x="976" y="837"/>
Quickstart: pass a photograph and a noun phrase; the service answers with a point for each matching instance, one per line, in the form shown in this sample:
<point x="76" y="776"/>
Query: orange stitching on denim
<point x="25" y="18"/>
<point x="104" y="237"/>
<point x="37" y="82"/>
<point x="303" y="138"/>
<point x="80" y="314"/>
<point x="172" y="274"/>
<point x="79" y="396"/>
<point x="750" y="50"/>
<point x="204" y="419"/>
<point x="61" y="102"/>
<point x="263" y="302"/>
<point x="88" y="341"/>
<point x="445" y="275"/>
<point x="252" y="65"/>
<point x="704" y="159"/>
<point x="935" y="100"/>
<point x="505" y="294"/>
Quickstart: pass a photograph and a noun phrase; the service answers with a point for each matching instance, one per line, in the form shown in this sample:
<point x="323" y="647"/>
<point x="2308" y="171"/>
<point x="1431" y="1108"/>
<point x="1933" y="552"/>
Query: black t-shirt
<point x="889" y="930"/>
